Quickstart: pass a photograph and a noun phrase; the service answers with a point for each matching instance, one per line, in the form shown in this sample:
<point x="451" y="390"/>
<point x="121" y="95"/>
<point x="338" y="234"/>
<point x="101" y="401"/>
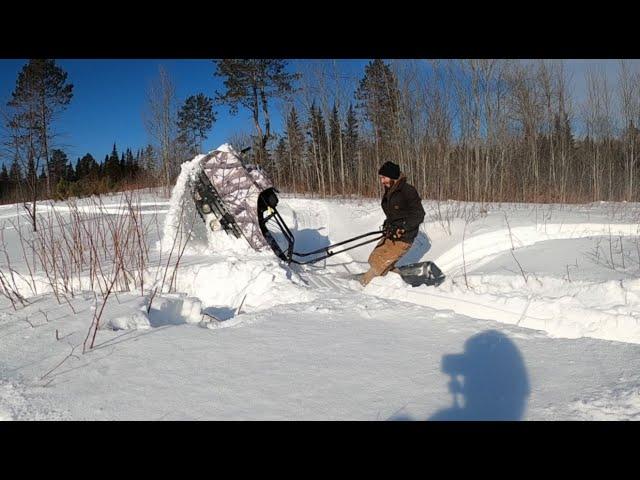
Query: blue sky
<point x="110" y="96"/>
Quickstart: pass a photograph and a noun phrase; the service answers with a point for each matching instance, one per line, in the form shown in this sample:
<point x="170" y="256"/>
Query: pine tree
<point x="149" y="161"/>
<point x="112" y="166"/>
<point x="4" y="175"/>
<point x="280" y="159"/>
<point x="4" y="181"/>
<point x="334" y="132"/>
<point x="81" y="168"/>
<point x="15" y="173"/>
<point x="57" y="166"/>
<point x="252" y="83"/>
<point x="41" y="93"/>
<point x="351" y="143"/>
<point x="318" y="145"/>
<point x="128" y="165"/>
<point x="336" y="151"/>
<point x="93" y="167"/>
<point x="378" y="95"/>
<point x="32" y="175"/>
<point x="122" y="170"/>
<point x="87" y="168"/>
<point x="135" y="167"/>
<point x="295" y="142"/>
<point x="70" y="175"/>
<point x="195" y="119"/>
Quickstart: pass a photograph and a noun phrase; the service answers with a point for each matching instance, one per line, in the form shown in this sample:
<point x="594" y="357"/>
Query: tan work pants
<point x="384" y="258"/>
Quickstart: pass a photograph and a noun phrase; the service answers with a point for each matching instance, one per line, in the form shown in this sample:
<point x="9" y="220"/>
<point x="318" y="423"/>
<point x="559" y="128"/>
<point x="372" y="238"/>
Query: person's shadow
<point x="489" y="381"/>
<point x="489" y="377"/>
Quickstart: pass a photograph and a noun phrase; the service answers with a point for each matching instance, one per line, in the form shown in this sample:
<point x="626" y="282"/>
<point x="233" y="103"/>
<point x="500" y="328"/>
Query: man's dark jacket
<point x="403" y="208"/>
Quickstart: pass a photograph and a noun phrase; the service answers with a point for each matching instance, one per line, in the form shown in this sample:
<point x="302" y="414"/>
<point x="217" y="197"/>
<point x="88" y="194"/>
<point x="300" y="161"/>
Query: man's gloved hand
<point x="392" y="232"/>
<point x="397" y="234"/>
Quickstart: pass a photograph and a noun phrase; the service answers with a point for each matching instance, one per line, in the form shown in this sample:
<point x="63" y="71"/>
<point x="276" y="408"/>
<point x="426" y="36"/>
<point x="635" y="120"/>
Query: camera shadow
<point x="488" y="381"/>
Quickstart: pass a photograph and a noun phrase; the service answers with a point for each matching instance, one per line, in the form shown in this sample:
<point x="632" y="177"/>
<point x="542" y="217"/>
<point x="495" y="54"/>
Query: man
<point x="403" y="208"/>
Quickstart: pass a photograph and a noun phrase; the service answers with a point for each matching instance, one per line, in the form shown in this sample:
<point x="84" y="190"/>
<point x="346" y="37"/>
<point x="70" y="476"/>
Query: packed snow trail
<point x="480" y="249"/>
<point x="608" y="309"/>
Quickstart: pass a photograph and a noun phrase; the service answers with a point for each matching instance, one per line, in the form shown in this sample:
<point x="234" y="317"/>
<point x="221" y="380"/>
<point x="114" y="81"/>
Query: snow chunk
<point x="136" y="320"/>
<point x="166" y="309"/>
<point x="130" y="316"/>
<point x="226" y="147"/>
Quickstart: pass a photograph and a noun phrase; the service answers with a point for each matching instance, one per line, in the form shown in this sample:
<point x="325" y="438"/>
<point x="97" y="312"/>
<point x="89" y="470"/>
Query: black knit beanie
<point x="390" y="169"/>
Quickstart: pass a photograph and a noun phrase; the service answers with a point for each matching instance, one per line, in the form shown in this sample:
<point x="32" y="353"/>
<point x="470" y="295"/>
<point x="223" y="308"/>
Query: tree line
<point x="87" y="177"/>
<point x="479" y="130"/>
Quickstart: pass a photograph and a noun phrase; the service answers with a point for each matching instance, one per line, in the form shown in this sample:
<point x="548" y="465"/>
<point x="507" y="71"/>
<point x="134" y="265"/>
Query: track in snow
<point x="608" y="309"/>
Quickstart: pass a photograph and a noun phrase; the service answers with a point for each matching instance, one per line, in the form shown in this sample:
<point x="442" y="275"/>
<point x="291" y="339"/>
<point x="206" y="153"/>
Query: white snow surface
<point x="538" y="319"/>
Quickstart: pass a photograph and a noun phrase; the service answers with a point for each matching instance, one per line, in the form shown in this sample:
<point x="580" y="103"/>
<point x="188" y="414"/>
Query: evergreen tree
<point x="41" y="93"/>
<point x="70" y="175"/>
<point x="378" y="96"/>
<point x="93" y="170"/>
<point x="296" y="144"/>
<point x="4" y="181"/>
<point x="112" y="166"/>
<point x="4" y="175"/>
<point x="336" y="152"/>
<point x="279" y="160"/>
<point x="122" y="171"/>
<point x="31" y="179"/>
<point x="15" y="173"/>
<point x="335" y="133"/>
<point x="318" y="144"/>
<point x="87" y="168"/>
<point x="252" y="83"/>
<point x="127" y="171"/>
<point x="103" y="165"/>
<point x="57" y="166"/>
<point x="149" y="160"/>
<point x="351" y="142"/>
<point x="195" y="119"/>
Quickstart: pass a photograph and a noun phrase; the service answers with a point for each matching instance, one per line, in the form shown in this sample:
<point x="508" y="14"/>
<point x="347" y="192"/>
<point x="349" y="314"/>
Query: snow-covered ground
<point x="539" y="319"/>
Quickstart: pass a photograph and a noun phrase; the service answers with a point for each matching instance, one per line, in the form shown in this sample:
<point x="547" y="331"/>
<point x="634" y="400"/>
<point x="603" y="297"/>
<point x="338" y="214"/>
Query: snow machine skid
<point x="208" y="201"/>
<point x="423" y="273"/>
<point x="225" y="190"/>
<point x="415" y="274"/>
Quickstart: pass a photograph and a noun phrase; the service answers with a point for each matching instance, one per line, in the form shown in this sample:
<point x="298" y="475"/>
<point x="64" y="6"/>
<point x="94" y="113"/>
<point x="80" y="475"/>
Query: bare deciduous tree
<point x="160" y="121"/>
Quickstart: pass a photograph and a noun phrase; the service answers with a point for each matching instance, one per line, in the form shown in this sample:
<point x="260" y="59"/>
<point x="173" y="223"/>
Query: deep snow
<point x="538" y="319"/>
